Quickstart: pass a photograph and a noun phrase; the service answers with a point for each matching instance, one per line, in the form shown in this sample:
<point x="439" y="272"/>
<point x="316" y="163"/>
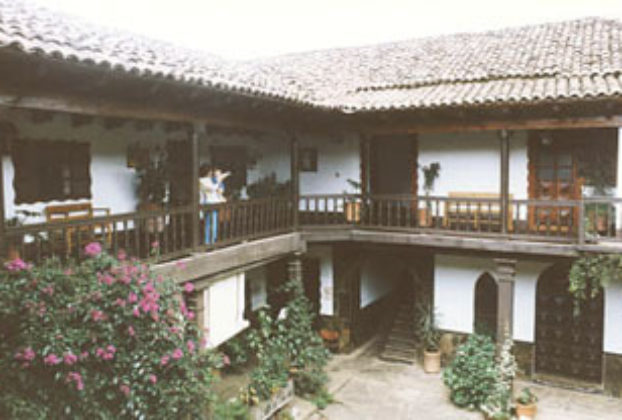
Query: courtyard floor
<point x="366" y="387"/>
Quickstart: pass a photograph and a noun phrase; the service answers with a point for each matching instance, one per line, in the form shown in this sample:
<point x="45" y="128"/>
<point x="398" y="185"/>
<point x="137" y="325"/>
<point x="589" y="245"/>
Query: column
<point x="295" y="178"/>
<point x="197" y="132"/>
<point x="294" y="269"/>
<point x="504" y="193"/>
<point x="618" y="206"/>
<point x="506" y="272"/>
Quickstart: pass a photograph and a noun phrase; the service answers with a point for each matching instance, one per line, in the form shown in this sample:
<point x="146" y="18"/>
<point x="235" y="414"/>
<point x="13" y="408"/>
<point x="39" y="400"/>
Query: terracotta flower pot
<point x="526" y="411"/>
<point x="329" y="335"/>
<point x="431" y="361"/>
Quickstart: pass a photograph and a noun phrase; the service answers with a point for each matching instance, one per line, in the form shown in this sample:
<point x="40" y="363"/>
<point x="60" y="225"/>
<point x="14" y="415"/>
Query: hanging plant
<point x="590" y="274"/>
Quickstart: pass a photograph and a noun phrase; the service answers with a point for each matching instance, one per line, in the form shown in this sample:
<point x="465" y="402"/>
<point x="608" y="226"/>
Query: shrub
<point x="237" y="352"/>
<point x="498" y="404"/>
<point x="472" y="374"/>
<point x="100" y="339"/>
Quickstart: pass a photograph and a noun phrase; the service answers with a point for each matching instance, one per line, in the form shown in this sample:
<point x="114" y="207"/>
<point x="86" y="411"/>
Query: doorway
<point x="486" y="303"/>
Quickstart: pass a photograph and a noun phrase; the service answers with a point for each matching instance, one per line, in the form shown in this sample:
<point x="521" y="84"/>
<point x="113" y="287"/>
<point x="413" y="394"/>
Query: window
<point x="308" y="159"/>
<point x="51" y="170"/>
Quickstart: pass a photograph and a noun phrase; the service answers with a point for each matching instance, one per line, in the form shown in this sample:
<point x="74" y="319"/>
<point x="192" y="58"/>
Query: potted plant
<point x="330" y="333"/>
<point x="430" y="337"/>
<point x="430" y="174"/>
<point x="526" y="407"/>
<point x="353" y="205"/>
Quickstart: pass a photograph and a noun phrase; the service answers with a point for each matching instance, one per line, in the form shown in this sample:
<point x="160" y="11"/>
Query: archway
<point x="567" y="345"/>
<point x="485" y="319"/>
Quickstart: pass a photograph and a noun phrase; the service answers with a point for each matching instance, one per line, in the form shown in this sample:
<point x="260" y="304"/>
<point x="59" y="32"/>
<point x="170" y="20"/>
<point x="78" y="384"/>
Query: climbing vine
<point x="590" y="274"/>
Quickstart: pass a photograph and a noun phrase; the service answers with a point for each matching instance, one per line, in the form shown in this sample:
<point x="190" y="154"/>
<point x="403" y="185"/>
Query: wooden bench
<point x="80" y="211"/>
<point x="464" y="208"/>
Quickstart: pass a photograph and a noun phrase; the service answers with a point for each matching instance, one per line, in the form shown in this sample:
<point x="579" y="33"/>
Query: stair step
<point x="404" y="351"/>
<point x="394" y="357"/>
<point x="404" y="339"/>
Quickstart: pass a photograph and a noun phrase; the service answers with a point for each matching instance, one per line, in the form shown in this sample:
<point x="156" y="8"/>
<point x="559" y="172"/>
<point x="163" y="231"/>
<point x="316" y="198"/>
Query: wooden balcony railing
<point x="168" y="234"/>
<point x="163" y="234"/>
<point x="541" y="220"/>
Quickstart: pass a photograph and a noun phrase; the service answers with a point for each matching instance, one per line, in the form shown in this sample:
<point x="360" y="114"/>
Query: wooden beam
<point x="533" y="124"/>
<point x="104" y="108"/>
<point x="295" y="176"/>
<point x="506" y="271"/>
<point x="198" y="132"/>
<point x="504" y="182"/>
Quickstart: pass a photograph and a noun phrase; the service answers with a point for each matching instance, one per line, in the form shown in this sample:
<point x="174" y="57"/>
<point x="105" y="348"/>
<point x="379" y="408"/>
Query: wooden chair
<point x="477" y="214"/>
<point x="80" y="211"/>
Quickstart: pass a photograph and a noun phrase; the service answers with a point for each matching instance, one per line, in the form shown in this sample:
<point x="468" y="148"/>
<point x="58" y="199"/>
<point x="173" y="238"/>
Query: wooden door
<point x="553" y="175"/>
<point x="567" y="345"/>
<point x="486" y="302"/>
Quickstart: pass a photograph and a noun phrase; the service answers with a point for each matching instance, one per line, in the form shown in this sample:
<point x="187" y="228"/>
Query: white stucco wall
<point x="325" y="256"/>
<point x="223" y="305"/>
<point x="338" y="160"/>
<point x="112" y="182"/>
<point x="257" y="280"/>
<point x="380" y="274"/>
<point x="613" y="319"/>
<point x="455" y="278"/>
<point x="470" y="162"/>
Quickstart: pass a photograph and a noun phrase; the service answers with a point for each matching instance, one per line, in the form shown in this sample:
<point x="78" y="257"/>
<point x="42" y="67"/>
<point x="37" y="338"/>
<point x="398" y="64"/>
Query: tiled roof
<point x="578" y="59"/>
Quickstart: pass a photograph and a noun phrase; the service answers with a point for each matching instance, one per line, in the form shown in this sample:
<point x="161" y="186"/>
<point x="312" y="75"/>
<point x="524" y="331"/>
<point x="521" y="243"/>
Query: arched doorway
<point x="567" y="345"/>
<point x="485" y="319"/>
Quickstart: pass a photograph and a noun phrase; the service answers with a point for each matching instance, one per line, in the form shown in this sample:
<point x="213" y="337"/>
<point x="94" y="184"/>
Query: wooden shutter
<point x="79" y="163"/>
<point x="26" y="177"/>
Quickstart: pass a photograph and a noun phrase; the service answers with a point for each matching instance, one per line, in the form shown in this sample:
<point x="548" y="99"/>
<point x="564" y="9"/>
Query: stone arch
<point x="485" y="305"/>
<point x="567" y="345"/>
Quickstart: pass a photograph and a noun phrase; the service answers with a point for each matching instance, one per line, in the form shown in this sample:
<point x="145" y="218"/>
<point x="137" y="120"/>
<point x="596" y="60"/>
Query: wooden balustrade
<point x="530" y="219"/>
<point x="162" y="234"/>
<point x="168" y="234"/>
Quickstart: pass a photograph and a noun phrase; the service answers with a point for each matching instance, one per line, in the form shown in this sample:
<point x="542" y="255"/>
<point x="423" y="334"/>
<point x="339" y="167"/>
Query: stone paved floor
<point x="368" y="388"/>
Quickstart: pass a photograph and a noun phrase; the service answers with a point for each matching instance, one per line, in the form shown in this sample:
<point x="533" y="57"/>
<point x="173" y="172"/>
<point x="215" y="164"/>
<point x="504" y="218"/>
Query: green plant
<point x="472" y="374"/>
<point x="430" y="174"/>
<point x="498" y="404"/>
<point x="323" y="399"/>
<point x="526" y="397"/>
<point x="237" y="352"/>
<point x="426" y="326"/>
<point x="104" y="338"/>
<point x="268" y="186"/>
<point x="233" y="409"/>
<point x="590" y="274"/>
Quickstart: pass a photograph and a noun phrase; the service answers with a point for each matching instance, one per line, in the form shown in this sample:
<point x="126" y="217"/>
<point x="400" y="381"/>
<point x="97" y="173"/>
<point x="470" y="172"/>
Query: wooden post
<point x="3" y="239"/>
<point x="505" y="179"/>
<point x="295" y="179"/>
<point x="365" y="156"/>
<point x="506" y="271"/>
<point x="198" y="131"/>
<point x="294" y="269"/>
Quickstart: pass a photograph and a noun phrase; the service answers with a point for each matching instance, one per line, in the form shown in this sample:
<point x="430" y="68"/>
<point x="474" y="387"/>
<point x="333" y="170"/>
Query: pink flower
<point x="68" y="272"/>
<point x="27" y="355"/>
<point x="84" y="355"/>
<point x="93" y="249"/>
<point x="136" y="312"/>
<point x="100" y="352"/>
<point x="132" y="297"/>
<point x="111" y="349"/>
<point x="153" y="379"/>
<point x="177" y="354"/>
<point x="70" y="358"/>
<point x="226" y="360"/>
<point x="190" y="315"/>
<point x="120" y="302"/>
<point x="121" y="255"/>
<point x="97" y="315"/>
<point x="188" y="287"/>
<point x="191" y="346"/>
<point x="51" y="359"/>
<point x="16" y="265"/>
<point x="125" y="389"/>
<point x="164" y="360"/>
<point x="155" y="245"/>
<point x="181" y="265"/>
<point x="49" y="290"/>
<point x="130" y="331"/>
<point x="77" y="378"/>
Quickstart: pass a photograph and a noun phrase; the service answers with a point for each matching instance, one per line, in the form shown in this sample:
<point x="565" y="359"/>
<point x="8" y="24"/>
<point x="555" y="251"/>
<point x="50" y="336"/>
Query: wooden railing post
<point x="295" y="181"/>
<point x="197" y="131"/>
<point x="505" y="179"/>
<point x="581" y="222"/>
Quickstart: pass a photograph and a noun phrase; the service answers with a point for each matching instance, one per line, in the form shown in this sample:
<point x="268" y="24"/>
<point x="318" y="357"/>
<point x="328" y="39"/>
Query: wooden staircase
<point x="400" y="344"/>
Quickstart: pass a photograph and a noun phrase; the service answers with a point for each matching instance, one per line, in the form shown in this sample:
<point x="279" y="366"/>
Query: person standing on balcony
<point x="212" y="189"/>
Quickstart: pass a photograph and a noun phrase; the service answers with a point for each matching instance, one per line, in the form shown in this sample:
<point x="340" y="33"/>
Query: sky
<point x="237" y="29"/>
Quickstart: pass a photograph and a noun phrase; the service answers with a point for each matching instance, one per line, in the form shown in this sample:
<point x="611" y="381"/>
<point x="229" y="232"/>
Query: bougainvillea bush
<point x="100" y="339"/>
